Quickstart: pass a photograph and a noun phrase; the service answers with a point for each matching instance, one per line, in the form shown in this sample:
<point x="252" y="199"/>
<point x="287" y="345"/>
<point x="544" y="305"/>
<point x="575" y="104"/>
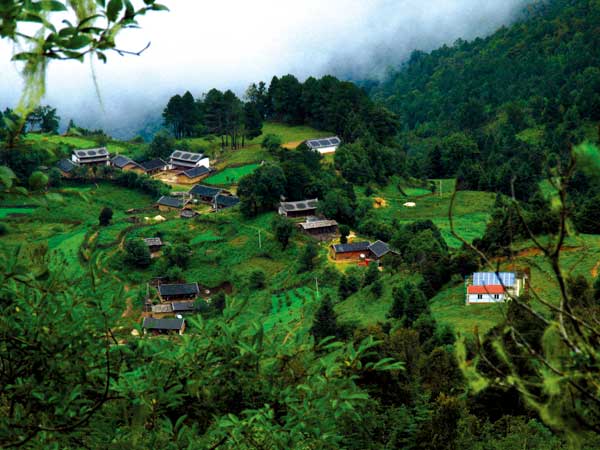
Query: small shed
<point x="153" y="166"/>
<point x="167" y="203"/>
<point x="154" y="244"/>
<point x="163" y="326"/>
<point x="124" y="163"/>
<point x="379" y="249"/>
<point x="178" y="292"/>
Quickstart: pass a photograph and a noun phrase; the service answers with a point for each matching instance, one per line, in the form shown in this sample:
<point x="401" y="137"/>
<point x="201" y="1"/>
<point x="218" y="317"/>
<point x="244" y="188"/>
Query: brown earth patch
<point x="380" y="202"/>
<point x="292" y="145"/>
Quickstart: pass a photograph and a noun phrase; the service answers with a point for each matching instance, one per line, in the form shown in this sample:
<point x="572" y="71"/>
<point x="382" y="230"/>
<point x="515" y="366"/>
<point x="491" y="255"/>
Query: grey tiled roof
<point x="150" y="323"/>
<point x="196" y="172"/>
<point x="172" y="202"/>
<point x="178" y="289"/>
<point x="352" y="247"/>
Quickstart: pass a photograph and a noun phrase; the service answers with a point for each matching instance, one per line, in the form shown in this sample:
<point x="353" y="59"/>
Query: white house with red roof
<point x="493" y="287"/>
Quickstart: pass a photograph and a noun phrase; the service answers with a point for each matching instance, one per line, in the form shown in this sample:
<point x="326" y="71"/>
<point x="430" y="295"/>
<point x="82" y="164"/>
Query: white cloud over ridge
<point x="228" y="44"/>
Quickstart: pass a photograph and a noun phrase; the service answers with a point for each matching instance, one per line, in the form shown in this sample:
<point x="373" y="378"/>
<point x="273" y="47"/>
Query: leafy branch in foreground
<point x="56" y="37"/>
<point x="548" y="349"/>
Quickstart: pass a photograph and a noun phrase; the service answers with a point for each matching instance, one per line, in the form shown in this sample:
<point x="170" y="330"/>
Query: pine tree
<point x="325" y="322"/>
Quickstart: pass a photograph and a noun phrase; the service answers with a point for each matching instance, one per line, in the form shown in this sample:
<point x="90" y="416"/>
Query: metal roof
<point x="172" y="202"/>
<point x="150" y="323"/>
<point x="92" y="153"/>
<point x="302" y="205"/>
<point x="153" y="164"/>
<point x="323" y="142"/>
<point x="186" y="157"/>
<point x="178" y="289"/>
<point x="379" y="248"/>
<point x="226" y="200"/>
<point x="153" y="241"/>
<point x="315" y="224"/>
<point x="196" y="172"/>
<point x="121" y="161"/>
<point x="204" y="191"/>
<point x="65" y="165"/>
<point x="492" y="278"/>
<point x="352" y="247"/>
<point x="488" y="289"/>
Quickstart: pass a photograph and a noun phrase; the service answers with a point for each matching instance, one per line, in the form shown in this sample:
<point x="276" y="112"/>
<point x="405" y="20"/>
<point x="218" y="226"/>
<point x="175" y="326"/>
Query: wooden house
<point x="223" y="201"/>
<point x="324" y="145"/>
<point x="124" y="163"/>
<point x="304" y="208"/>
<point x="193" y="175"/>
<point x="350" y="251"/>
<point x="178" y="292"/>
<point x="153" y="166"/>
<point x="180" y="160"/>
<point x="205" y="194"/>
<point x="320" y="229"/>
<point x="91" y="157"/>
<point x="154" y="244"/>
<point x="163" y="326"/>
<point x="66" y="167"/>
<point x="492" y="287"/>
<point x="167" y="203"/>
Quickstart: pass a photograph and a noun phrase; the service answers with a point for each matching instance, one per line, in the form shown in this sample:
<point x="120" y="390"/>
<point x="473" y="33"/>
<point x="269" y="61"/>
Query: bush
<point x="3" y="229"/>
<point x="105" y="216"/>
<point x="38" y="181"/>
<point x="137" y="253"/>
<point x="257" y="279"/>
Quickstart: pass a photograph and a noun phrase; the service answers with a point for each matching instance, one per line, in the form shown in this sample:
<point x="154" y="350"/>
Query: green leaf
<point x="52" y="5"/>
<point x="113" y="9"/>
<point x="158" y="7"/>
<point x="78" y="42"/>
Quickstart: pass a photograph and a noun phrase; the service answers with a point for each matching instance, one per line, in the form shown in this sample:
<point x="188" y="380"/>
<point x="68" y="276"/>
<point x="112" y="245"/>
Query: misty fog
<point x="231" y="43"/>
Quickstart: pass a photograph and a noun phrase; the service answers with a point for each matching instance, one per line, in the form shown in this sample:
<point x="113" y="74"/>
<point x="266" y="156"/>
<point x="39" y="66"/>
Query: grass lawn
<point x="207" y="236"/>
<point x="289" y="134"/>
<point x="231" y="175"/>
<point x="471" y="210"/>
<point x="5" y="212"/>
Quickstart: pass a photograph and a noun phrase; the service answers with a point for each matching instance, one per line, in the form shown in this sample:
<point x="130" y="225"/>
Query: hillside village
<point x="406" y="261"/>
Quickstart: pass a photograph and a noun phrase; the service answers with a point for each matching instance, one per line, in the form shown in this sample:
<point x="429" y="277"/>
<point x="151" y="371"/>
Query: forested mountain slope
<point x="505" y="103"/>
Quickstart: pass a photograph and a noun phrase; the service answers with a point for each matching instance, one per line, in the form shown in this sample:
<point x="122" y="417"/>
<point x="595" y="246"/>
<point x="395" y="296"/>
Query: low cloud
<point x="231" y="43"/>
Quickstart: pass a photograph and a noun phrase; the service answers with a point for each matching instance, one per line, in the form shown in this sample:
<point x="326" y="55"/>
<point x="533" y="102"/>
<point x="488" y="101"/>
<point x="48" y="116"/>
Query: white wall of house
<point x="204" y="162"/>
<point x="325" y="150"/>
<point x="485" y="298"/>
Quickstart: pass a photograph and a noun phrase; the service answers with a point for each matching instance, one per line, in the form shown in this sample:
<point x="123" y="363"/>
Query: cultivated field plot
<point x="231" y="175"/>
<point x="289" y="307"/>
<point x="470" y="214"/>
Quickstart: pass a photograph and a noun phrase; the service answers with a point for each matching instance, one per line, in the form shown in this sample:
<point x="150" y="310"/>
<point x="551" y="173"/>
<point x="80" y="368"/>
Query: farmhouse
<point x="492" y="287"/>
<point x="353" y="251"/>
<point x="193" y="175"/>
<point x="225" y="201"/>
<point x="304" y="208"/>
<point x="66" y="167"/>
<point x="153" y="166"/>
<point x="163" y="326"/>
<point x="124" y="163"/>
<point x="154" y="244"/>
<point x="379" y="249"/>
<point x="320" y="229"/>
<point x="205" y="194"/>
<point x="91" y="157"/>
<point x="180" y="160"/>
<point x="324" y="145"/>
<point x="166" y="203"/>
<point x="177" y="292"/>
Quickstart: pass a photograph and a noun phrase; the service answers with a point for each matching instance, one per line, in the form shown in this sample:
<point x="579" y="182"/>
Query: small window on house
<point x="479" y="297"/>
<point x="496" y="296"/>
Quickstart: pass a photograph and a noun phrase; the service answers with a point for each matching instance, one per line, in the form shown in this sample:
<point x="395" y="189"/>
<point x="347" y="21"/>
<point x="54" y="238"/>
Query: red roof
<point x="489" y="289"/>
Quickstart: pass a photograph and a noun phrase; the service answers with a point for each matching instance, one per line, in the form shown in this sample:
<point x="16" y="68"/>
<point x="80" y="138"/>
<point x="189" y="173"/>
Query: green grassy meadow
<point x="231" y="175"/>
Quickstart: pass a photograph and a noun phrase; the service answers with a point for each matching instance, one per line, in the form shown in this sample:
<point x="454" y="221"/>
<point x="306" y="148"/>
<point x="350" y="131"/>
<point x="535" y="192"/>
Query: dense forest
<point x="499" y="115"/>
